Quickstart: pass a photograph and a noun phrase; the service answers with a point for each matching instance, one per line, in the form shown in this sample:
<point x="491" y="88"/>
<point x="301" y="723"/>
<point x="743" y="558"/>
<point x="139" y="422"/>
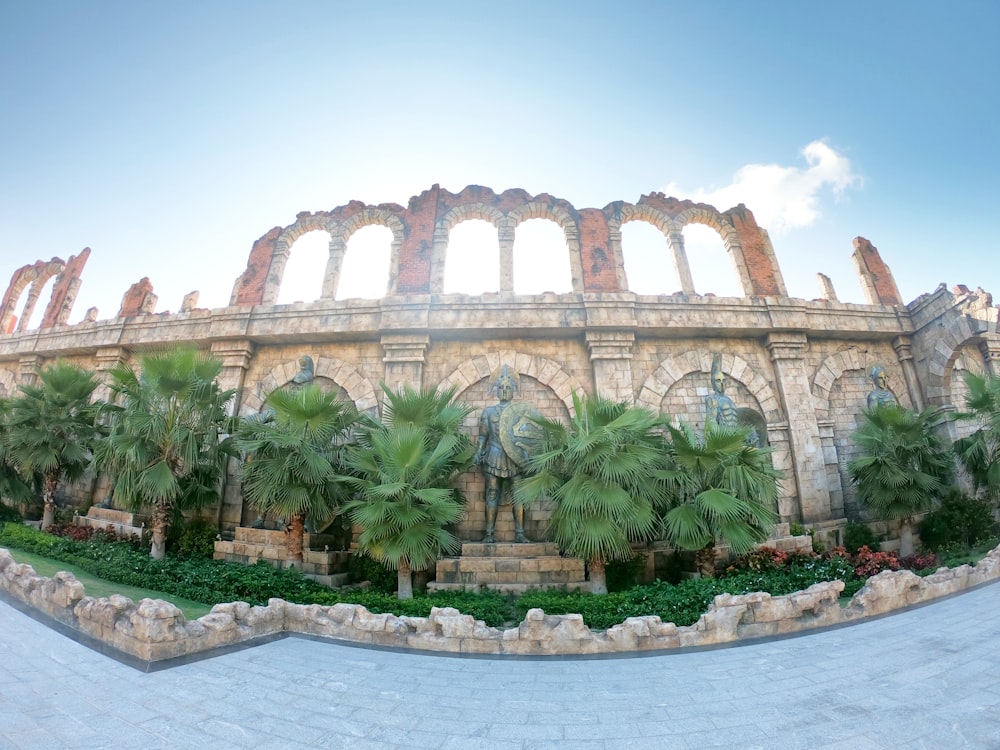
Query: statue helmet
<point x="505" y="375"/>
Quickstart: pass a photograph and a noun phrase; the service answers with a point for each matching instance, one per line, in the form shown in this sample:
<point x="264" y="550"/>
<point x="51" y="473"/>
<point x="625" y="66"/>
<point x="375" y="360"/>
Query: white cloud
<point x="782" y="198"/>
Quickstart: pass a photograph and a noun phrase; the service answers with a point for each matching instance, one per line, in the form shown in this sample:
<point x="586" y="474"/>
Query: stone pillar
<point x="781" y="459"/>
<point x="904" y="353"/>
<point x="505" y="235"/>
<point x="29" y="305"/>
<point x="675" y="240"/>
<point x="990" y="347"/>
<point x="832" y="462"/>
<point x="404" y="356"/>
<point x="611" y="358"/>
<point x="236" y="356"/>
<point x="786" y="350"/>
<point x="28" y="366"/>
<point x="108" y="358"/>
<point x="334" y="264"/>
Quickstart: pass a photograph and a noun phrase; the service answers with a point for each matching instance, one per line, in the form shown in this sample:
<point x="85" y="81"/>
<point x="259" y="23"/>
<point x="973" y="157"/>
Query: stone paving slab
<point x="928" y="678"/>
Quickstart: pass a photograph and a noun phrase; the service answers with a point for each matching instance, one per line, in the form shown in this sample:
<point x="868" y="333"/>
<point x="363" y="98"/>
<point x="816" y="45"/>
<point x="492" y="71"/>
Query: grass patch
<point x="98" y="587"/>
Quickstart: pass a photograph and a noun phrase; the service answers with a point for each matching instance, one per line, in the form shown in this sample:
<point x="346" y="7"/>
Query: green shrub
<point x="382" y="578"/>
<point x="624" y="574"/>
<point x="858" y="535"/>
<point x="9" y="514"/>
<point x="196" y="538"/>
<point x="960" y="519"/>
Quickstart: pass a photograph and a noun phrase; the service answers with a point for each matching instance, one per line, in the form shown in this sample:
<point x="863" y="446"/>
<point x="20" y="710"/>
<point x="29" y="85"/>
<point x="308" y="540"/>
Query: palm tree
<point x="293" y="463"/>
<point x="598" y="473"/>
<point x="720" y="488"/>
<point x="165" y="448"/>
<point x="51" y="429"/>
<point x="903" y="467"/>
<point x="979" y="453"/>
<point x="402" y="471"/>
<point x="12" y="485"/>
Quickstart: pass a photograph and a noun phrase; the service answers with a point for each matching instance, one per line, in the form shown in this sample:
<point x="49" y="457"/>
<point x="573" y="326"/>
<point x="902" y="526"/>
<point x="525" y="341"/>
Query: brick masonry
<point x="800" y="364"/>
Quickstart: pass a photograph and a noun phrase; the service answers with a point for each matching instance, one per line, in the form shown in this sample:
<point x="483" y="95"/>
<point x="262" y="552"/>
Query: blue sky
<point x="169" y="136"/>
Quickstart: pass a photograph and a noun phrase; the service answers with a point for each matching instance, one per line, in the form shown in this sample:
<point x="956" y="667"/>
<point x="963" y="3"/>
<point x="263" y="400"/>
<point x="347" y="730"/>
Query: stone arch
<point x="304" y="222"/>
<point x="569" y="225"/>
<point x="545" y="371"/>
<point x="442" y="234"/>
<point x="968" y="359"/>
<point x="954" y="336"/>
<point x="672" y="369"/>
<point x="628" y="212"/>
<point x="358" y="388"/>
<point x="33" y="278"/>
<point x="710" y="217"/>
<point x="830" y="371"/>
<point x="341" y="233"/>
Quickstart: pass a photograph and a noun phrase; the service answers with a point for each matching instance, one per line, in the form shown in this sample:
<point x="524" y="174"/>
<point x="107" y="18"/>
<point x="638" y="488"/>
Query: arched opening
<point x="365" y="273"/>
<point x="649" y="263"/>
<point x="302" y="280"/>
<point x="541" y="258"/>
<point x="711" y="267"/>
<point x="36" y="314"/>
<point x="472" y="259"/>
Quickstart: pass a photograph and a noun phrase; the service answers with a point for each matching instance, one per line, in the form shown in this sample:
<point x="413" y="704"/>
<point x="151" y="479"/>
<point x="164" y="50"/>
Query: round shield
<point x="520" y="435"/>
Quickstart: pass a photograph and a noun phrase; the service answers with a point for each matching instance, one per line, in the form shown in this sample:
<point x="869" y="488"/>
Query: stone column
<point x="786" y="350"/>
<point x="990" y="348"/>
<point x="404" y="356"/>
<point x="904" y="353"/>
<point x="675" y="240"/>
<point x="107" y="358"/>
<point x="611" y="358"/>
<point x="236" y="356"/>
<point x="334" y="265"/>
<point x="29" y="305"/>
<point x="28" y="366"/>
<point x="781" y="459"/>
<point x="505" y="235"/>
<point x="832" y="462"/>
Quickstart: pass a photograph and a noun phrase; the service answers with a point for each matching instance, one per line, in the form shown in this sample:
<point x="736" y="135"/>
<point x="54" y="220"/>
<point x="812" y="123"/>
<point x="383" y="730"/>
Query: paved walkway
<point x="927" y="678"/>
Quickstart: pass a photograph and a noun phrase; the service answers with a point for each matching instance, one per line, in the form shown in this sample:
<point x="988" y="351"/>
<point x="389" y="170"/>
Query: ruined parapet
<point x="249" y="286"/>
<point x="33" y="278"/>
<point x="138" y="300"/>
<point x="826" y="289"/>
<point x="876" y="278"/>
<point x="64" y="292"/>
<point x="190" y="302"/>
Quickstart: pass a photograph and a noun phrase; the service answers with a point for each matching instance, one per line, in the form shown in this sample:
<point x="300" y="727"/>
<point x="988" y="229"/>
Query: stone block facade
<point x="801" y="365"/>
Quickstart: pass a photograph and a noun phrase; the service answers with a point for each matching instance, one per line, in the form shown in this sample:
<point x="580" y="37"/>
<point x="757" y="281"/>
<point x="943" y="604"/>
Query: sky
<point x="168" y="136"/>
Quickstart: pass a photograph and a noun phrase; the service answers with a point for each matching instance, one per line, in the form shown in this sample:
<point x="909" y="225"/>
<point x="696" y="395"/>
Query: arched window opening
<point x="41" y="302"/>
<point x="365" y="273"/>
<point x="541" y="258"/>
<point x="712" y="268"/>
<point x="472" y="259"/>
<point x="649" y="262"/>
<point x="302" y="280"/>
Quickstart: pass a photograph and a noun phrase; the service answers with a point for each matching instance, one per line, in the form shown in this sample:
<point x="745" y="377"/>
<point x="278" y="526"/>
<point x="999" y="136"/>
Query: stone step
<point x="512" y="589"/>
<point x="510" y="549"/>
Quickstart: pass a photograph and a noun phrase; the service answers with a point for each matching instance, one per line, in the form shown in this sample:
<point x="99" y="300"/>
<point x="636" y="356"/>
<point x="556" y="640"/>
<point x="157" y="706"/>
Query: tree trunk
<point x="404" y="581"/>
<point x="161" y="522"/>
<point x="49" y="484"/>
<point x="906" y="537"/>
<point x="294" y="534"/>
<point x="598" y="581"/>
<point x="704" y="560"/>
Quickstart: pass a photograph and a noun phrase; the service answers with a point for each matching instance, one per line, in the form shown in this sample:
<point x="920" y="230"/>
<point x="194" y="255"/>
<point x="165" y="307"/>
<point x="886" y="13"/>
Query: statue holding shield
<point x="507" y="437"/>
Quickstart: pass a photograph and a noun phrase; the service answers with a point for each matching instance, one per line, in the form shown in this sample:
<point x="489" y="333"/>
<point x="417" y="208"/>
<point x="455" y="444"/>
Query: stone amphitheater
<point x="799" y="364"/>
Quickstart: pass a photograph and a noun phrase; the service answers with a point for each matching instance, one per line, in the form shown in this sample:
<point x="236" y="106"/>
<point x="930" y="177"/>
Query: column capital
<point x="28" y="366"/>
<point x="234" y="352"/>
<point x="610" y="344"/>
<point x="404" y="347"/>
<point x="904" y="347"/>
<point x="786" y="344"/>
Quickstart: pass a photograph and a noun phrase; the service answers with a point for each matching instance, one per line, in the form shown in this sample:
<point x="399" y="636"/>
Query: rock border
<point x="154" y="630"/>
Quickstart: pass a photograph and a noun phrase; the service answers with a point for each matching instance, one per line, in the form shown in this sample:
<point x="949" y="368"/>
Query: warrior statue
<point x="880" y="395"/>
<point x="505" y="435"/>
<point x="719" y="408"/>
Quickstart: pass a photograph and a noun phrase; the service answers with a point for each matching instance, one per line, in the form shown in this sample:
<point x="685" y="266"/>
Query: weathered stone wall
<point x="801" y="364"/>
<point x="153" y="630"/>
